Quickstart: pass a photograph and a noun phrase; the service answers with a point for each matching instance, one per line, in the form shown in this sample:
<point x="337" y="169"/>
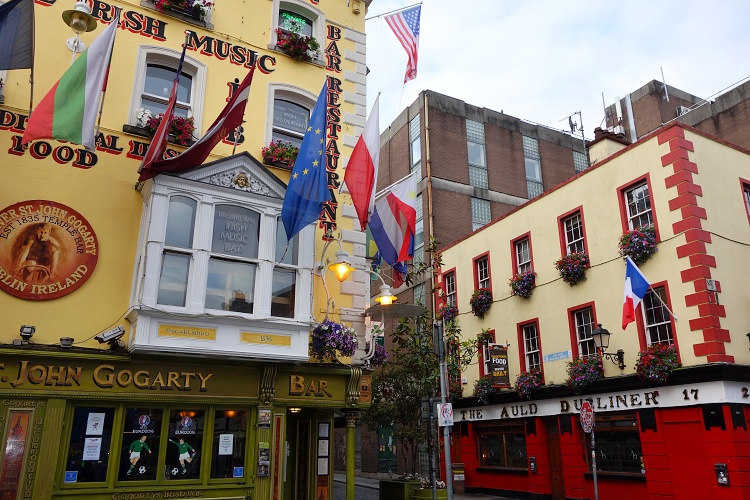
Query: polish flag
<point x="362" y="170"/>
<point x="636" y="287"/>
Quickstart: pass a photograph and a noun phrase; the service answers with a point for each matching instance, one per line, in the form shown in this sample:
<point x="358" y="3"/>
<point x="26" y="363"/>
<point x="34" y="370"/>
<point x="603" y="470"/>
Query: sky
<point x="543" y="60"/>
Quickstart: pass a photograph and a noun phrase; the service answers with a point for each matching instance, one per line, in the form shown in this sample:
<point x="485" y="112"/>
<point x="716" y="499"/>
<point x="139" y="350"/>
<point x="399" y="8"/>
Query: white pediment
<point x="240" y="172"/>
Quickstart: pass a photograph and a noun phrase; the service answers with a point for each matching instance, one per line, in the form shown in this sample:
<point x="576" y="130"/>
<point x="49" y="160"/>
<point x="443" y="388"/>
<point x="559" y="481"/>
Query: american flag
<point x="405" y="25"/>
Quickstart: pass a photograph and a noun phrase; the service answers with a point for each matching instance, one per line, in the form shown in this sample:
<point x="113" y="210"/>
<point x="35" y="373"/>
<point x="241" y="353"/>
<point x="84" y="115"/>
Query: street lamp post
<point x="444" y="399"/>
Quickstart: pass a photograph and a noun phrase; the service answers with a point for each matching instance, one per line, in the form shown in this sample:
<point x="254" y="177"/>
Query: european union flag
<point x="308" y="185"/>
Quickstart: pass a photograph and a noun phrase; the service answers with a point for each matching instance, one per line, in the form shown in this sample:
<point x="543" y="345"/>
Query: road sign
<point x="587" y="417"/>
<point x="445" y="414"/>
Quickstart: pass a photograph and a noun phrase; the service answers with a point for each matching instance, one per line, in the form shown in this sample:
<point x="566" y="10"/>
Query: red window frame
<point x="641" y="324"/>
<point x="514" y="256"/>
<point x="482" y="370"/>
<point x="745" y="187"/>
<point x="445" y="285"/>
<point x="561" y="230"/>
<point x="624" y="216"/>
<point x="522" y="345"/>
<point x="572" y="325"/>
<point x="474" y="261"/>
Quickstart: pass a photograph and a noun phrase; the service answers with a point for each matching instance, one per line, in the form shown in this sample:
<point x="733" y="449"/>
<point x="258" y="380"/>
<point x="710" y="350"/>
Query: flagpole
<point x="236" y="138"/>
<point x="33" y="51"/>
<point x="393" y="11"/>
<point x="662" y="303"/>
<point x="118" y="11"/>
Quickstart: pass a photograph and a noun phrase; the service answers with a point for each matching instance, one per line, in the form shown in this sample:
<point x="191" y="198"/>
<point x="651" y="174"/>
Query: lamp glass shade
<point x="341" y="268"/>
<point x="385" y="298"/>
<point x="79" y="18"/>
<point x="601" y="337"/>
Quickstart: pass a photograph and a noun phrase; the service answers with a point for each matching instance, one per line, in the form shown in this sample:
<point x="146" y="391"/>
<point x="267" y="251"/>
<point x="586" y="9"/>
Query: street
<point x="360" y="492"/>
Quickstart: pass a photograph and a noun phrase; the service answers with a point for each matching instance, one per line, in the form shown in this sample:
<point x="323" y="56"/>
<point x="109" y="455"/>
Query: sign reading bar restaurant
<point x="47" y="250"/>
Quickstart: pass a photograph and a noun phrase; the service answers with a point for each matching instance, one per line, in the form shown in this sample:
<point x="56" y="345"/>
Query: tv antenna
<point x="575" y="127"/>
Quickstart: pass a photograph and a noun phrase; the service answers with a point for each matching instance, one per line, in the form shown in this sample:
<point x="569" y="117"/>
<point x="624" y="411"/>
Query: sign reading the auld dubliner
<point x="47" y="250"/>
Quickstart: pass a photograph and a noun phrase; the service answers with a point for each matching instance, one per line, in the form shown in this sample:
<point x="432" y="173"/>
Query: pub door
<point x="555" y="459"/>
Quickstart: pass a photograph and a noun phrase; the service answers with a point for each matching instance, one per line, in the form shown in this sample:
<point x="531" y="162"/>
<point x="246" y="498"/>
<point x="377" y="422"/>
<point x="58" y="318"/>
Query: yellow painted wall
<point x="597" y="192"/>
<point x="104" y="193"/>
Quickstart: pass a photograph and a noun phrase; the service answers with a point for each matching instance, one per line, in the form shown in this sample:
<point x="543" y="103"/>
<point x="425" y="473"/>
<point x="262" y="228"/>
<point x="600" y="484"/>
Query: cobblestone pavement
<point x="360" y="492"/>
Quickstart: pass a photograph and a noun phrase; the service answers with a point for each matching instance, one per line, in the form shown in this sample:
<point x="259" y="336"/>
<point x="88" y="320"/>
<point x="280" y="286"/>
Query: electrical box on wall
<point x="722" y="474"/>
<point x="532" y="464"/>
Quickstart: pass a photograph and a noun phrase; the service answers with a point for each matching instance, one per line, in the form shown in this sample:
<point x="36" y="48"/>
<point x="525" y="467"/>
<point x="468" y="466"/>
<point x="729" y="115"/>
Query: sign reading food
<point x="47" y="250"/>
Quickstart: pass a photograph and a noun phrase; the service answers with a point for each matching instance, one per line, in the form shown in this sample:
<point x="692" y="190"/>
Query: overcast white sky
<point x="542" y="60"/>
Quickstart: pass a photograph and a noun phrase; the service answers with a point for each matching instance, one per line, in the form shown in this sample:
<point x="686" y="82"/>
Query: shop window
<point x="618" y="443"/>
<point x="228" y="450"/>
<point x="140" y="445"/>
<point x="152" y="85"/>
<point x="185" y="437"/>
<point x="450" y="288"/>
<point x="503" y="445"/>
<point x="14" y="451"/>
<point x="88" y="448"/>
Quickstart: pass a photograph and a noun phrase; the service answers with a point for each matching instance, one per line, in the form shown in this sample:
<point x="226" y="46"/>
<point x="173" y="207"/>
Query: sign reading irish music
<point x="47" y="250"/>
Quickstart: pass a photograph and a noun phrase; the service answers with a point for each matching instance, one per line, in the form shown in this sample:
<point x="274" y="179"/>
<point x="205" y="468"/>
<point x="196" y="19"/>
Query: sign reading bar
<point x="266" y="339"/>
<point x="499" y="365"/>
<point x="187" y="332"/>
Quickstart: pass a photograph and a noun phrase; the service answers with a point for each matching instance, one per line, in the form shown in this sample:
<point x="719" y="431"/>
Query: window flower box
<point x="180" y="127"/>
<point x="280" y="153"/>
<point x="584" y="371"/>
<point x="448" y="313"/>
<point x="638" y="244"/>
<point x="527" y="381"/>
<point x="483" y="389"/>
<point x="572" y="267"/>
<point x="296" y="45"/>
<point x="197" y="9"/>
<point x="480" y="301"/>
<point x="656" y="362"/>
<point x="522" y="284"/>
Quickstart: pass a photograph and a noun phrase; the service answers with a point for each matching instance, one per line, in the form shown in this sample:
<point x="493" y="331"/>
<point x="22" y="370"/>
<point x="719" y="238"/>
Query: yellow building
<point x="155" y="335"/>
<point x="692" y="190"/>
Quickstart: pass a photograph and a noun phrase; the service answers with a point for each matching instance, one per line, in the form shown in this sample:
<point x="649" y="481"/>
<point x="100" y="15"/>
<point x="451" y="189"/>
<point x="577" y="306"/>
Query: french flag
<point x="636" y="287"/>
<point x="362" y="170"/>
<point x="394" y="219"/>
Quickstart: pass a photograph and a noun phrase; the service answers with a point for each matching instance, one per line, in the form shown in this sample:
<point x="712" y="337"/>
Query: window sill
<point x="179" y="15"/>
<point x="495" y="469"/>
<point x="317" y="62"/>
<point x="625" y="476"/>
<point x="140" y="131"/>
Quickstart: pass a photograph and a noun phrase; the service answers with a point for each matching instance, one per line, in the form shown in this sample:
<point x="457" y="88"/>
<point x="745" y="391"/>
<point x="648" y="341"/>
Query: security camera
<point x="110" y="335"/>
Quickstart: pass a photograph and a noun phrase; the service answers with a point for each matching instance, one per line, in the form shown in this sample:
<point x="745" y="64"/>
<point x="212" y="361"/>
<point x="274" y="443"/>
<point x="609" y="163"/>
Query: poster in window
<point x="322" y="447"/>
<point x="263" y="470"/>
<point x="323" y="466"/>
<point x="323" y="430"/>
<point x="226" y="444"/>
<point x="264" y="418"/>
<point x="499" y="365"/>
<point x="92" y="449"/>
<point x="95" y="424"/>
<point x="15" y="447"/>
<point x="263" y="456"/>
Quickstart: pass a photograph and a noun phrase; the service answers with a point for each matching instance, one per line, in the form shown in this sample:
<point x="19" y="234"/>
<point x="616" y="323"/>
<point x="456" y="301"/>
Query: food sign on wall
<point x="47" y="250"/>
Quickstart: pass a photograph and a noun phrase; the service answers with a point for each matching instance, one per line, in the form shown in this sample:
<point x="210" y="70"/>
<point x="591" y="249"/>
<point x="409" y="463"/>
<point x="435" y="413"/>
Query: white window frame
<point x="647" y="213"/>
<point x="483" y="272"/>
<point x="150" y="54"/>
<point x="584" y="326"/>
<point x="450" y="289"/>
<point x="659" y="330"/>
<point x="523" y="263"/>
<point x="286" y="92"/>
<point x="532" y="353"/>
<point x="304" y="9"/>
<point x="574" y="245"/>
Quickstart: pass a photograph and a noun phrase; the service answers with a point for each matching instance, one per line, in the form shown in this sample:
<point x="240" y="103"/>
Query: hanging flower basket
<point x="527" y="381"/>
<point x="331" y="339"/>
<point x="379" y="357"/>
<point x="584" y="371"/>
<point x="280" y="152"/>
<point x="296" y="45"/>
<point x="572" y="267"/>
<point x="638" y="244"/>
<point x="181" y="128"/>
<point x="447" y="313"/>
<point x="522" y="284"/>
<point x="656" y="362"/>
<point x="480" y="301"/>
<point x="483" y="389"/>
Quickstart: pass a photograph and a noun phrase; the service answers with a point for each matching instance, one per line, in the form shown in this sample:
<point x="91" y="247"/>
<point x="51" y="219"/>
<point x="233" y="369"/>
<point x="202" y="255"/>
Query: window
<point x="638" y="206"/>
<point x="522" y="255"/>
<point x="745" y="191"/>
<point x="531" y="346"/>
<point x="533" y="164"/>
<point x="450" y="289"/>
<point x="480" y="213"/>
<point x="503" y="445"/>
<point x="415" y="146"/>
<point x="228" y="450"/>
<point x="419" y="294"/>
<point x="618" y="443"/>
<point x="574" y="237"/>
<point x="580" y="162"/>
<point x="152" y="85"/>
<point x="656" y="317"/>
<point x="293" y="22"/>
<point x="184" y="441"/>
<point x="140" y="444"/>
<point x="176" y="258"/>
<point x="477" y="159"/>
<point x="485" y="356"/>
<point x="583" y="323"/>
<point x="88" y="448"/>
<point x="482" y="272"/>
<point x="419" y="236"/>
<point x="289" y="121"/>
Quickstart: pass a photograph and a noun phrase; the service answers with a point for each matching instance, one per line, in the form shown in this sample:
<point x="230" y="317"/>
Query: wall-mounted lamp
<point x="385" y="297"/>
<point x="601" y="340"/>
<point x="341" y="267"/>
<point x="80" y="20"/>
<point x="27" y="331"/>
<point x="295" y="409"/>
<point x="230" y="413"/>
<point x="66" y="342"/>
